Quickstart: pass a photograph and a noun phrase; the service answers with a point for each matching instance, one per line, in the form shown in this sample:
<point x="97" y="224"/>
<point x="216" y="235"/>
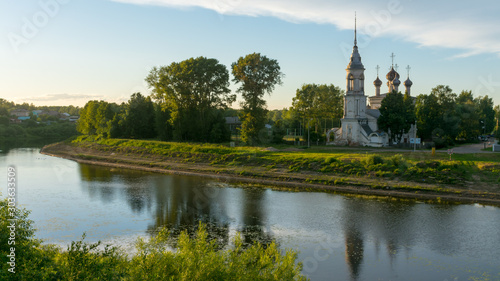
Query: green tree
<point x="317" y="104"/>
<point x="257" y="75"/>
<point x="497" y="116"/>
<point x="278" y="132"/>
<point x="4" y="120"/>
<point x="469" y="119"/>
<point x="486" y="114"/>
<point x="95" y="118"/>
<point x="86" y="123"/>
<point x="163" y="126"/>
<point x="193" y="91"/>
<point x="396" y="114"/>
<point x="140" y="117"/>
<point x="32" y="260"/>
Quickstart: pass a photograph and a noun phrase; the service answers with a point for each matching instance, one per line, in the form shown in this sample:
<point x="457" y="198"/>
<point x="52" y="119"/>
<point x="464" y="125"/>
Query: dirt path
<point x="473" y="148"/>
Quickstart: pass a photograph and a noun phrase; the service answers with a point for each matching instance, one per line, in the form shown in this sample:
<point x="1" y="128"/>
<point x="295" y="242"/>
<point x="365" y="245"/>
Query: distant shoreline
<point x="293" y="182"/>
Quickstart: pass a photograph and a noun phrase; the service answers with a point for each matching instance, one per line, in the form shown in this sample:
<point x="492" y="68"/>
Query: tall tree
<point x="140" y="117"/>
<point x="95" y="117"/>
<point x="486" y="114"/>
<point x="193" y="92"/>
<point x="315" y="103"/>
<point x="395" y="115"/>
<point x="257" y="75"/>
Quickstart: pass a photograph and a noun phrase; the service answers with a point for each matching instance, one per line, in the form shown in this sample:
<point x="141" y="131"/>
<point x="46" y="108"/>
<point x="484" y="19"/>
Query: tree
<point x="140" y="117"/>
<point x="486" y="114"/>
<point x="193" y="91"/>
<point x="469" y="120"/>
<point x="395" y="115"/>
<point x="95" y="118"/>
<point x="257" y="76"/>
<point x="4" y="120"/>
<point x="317" y="103"/>
<point x="86" y="123"/>
<point x="163" y="126"/>
<point x="497" y="116"/>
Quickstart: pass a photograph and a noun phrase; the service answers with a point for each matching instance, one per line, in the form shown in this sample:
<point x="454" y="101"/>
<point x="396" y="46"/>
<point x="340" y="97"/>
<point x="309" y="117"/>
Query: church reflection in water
<point x="367" y="234"/>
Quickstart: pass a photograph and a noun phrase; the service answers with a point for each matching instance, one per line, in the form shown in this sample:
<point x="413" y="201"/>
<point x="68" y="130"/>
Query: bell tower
<point x="354" y="99"/>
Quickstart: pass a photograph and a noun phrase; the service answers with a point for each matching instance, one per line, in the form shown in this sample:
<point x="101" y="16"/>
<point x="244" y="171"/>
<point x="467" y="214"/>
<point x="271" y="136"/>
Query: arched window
<point x="350" y="82"/>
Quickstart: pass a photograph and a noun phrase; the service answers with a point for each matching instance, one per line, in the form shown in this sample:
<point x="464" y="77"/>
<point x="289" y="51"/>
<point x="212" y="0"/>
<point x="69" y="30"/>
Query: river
<point x="338" y="237"/>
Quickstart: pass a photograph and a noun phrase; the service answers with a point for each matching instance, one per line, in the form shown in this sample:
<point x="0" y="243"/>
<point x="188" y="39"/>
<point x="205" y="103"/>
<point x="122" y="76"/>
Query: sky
<point x="66" y="52"/>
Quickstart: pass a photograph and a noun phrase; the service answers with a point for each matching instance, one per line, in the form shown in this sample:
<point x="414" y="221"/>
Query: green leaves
<point x="316" y="102"/>
<point x="396" y="114"/>
<point x="193" y="92"/>
<point x="257" y="75"/>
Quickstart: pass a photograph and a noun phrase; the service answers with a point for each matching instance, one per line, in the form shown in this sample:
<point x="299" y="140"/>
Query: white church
<point x="359" y="125"/>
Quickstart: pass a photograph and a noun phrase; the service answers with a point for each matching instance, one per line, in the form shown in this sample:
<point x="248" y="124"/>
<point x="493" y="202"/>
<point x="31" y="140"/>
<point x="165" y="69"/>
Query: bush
<point x="374" y="160"/>
<point x="32" y="261"/>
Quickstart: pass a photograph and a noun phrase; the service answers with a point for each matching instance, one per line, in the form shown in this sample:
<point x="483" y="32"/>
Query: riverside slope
<point x="257" y="172"/>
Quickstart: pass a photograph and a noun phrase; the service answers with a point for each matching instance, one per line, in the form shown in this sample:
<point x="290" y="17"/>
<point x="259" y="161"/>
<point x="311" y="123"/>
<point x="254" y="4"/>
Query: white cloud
<point x="470" y="26"/>
<point x="61" y="97"/>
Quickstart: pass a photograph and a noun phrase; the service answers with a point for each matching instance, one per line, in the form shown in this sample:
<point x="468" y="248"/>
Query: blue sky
<point x="61" y="52"/>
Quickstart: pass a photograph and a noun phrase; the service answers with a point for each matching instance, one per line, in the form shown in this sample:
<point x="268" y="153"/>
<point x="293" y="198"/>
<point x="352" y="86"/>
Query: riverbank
<point x="384" y="174"/>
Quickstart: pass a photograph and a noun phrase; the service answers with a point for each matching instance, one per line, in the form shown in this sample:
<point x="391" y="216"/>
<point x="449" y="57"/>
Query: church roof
<point x="396" y="81"/>
<point x="408" y="82"/>
<point x="377" y="82"/>
<point x="355" y="62"/>
<point x="392" y="74"/>
<point x="375" y="113"/>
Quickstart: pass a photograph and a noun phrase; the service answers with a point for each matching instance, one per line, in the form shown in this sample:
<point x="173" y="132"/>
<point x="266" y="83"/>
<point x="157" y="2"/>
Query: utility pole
<point x="308" y="128"/>
<point x="415" y="139"/>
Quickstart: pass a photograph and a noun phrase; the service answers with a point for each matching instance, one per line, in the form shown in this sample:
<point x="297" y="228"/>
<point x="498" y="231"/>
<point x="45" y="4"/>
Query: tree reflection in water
<point x="179" y="203"/>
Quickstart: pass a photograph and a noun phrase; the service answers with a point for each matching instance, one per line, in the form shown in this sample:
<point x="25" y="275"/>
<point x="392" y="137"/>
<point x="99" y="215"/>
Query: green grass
<point x="419" y="167"/>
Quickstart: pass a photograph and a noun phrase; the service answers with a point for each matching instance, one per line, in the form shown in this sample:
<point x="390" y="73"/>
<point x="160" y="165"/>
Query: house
<point x="64" y="116"/>
<point x="20" y="112"/>
<point x="234" y="123"/>
<point x="52" y="113"/>
<point x="37" y="112"/>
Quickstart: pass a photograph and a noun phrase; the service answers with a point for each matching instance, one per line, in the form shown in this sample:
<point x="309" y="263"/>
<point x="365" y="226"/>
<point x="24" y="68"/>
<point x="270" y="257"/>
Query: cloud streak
<point x="468" y="26"/>
<point x="62" y="97"/>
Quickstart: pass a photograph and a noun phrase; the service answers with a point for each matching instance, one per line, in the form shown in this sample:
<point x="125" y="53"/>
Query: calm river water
<point x="338" y="237"/>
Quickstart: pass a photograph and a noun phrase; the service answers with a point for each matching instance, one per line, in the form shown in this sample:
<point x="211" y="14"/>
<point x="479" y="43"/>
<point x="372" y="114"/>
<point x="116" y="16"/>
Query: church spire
<point x="355" y="28"/>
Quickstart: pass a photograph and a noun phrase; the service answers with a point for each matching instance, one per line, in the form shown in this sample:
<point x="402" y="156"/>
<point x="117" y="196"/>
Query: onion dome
<point x="396" y="81"/>
<point x="391" y="74"/>
<point x="377" y="82"/>
<point x="408" y="82"/>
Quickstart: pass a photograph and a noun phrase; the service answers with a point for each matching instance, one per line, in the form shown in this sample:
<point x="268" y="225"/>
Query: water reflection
<point x="372" y="234"/>
<point x="177" y="203"/>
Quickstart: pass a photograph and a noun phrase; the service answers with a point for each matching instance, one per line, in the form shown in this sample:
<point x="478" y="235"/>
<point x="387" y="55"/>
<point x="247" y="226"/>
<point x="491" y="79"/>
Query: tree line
<point x="442" y="116"/>
<point x="188" y="102"/>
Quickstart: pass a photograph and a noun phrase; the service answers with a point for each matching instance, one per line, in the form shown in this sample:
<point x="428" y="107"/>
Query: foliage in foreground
<point x="195" y="259"/>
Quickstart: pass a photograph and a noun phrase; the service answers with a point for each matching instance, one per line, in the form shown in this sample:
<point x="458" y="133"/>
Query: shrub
<point x="329" y="160"/>
<point x="399" y="162"/>
<point x="374" y="160"/>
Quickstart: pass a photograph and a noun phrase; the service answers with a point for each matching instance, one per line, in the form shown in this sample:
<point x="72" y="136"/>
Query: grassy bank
<point x="468" y="175"/>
